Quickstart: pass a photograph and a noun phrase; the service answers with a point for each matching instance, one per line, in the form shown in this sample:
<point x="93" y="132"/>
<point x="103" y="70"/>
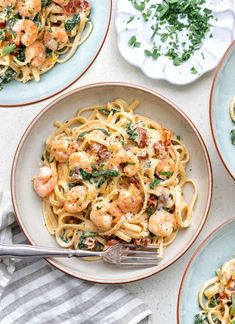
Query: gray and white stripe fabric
<point x="32" y="291"/>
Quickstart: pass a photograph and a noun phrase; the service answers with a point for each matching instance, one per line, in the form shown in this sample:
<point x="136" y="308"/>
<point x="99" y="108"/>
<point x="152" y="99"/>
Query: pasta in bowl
<point x="37" y="34"/>
<point x="137" y="113"/>
<point x="217" y="296"/>
<point x="112" y="177"/>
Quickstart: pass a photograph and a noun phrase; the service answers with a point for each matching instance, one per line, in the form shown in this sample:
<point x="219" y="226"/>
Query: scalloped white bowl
<point x="204" y="59"/>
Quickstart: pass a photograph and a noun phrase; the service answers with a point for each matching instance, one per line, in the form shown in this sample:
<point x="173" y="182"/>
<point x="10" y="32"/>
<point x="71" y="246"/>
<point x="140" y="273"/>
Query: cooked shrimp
<point x="55" y="38"/>
<point x="29" y="8"/>
<point x="44" y="182"/>
<point x="76" y="199"/>
<point x="26" y="30"/>
<point x="36" y="54"/>
<point x="114" y="210"/>
<point x="7" y="3"/>
<point x="128" y="160"/>
<point x="62" y="148"/>
<point x="100" y="217"/>
<point x="227" y="276"/>
<point x="165" y="165"/>
<point x="129" y="200"/>
<point x="162" y="223"/>
<point x="80" y="160"/>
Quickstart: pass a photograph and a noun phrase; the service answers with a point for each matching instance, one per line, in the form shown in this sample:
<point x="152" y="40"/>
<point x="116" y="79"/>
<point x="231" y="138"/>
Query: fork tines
<point x="134" y="255"/>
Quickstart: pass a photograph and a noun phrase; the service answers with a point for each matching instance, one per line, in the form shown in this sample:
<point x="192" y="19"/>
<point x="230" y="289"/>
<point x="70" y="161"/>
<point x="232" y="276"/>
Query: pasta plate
<point x="62" y="75"/>
<point x="201" y="268"/>
<point x="158" y="108"/>
<point x="222" y="92"/>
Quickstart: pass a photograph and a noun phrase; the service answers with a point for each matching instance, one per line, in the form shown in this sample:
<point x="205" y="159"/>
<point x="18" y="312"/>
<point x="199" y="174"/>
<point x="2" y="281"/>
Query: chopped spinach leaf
<point x="46" y="3"/>
<point x="201" y="319"/>
<point x="131" y="132"/>
<point x="71" y="23"/>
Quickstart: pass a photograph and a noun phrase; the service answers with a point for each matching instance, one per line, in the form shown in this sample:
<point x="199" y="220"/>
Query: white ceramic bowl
<point x="204" y="60"/>
<point x="27" y="160"/>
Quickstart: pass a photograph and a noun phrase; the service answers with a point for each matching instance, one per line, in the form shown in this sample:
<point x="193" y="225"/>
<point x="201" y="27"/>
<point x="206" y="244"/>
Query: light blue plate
<point x="223" y="90"/>
<point x="212" y="253"/>
<point x="63" y="75"/>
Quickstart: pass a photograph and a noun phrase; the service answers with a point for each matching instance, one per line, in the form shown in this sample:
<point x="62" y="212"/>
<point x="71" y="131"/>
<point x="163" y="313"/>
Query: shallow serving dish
<point x="27" y="159"/>
<point x="63" y="75"/>
<point x="204" y="59"/>
<point x="222" y="92"/>
<point x="216" y="249"/>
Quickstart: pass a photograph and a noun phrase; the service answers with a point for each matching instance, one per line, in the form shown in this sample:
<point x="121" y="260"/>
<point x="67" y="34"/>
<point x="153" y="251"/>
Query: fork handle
<point x="27" y="251"/>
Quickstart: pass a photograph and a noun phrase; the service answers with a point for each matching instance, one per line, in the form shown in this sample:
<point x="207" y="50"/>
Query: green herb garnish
<point x="46" y="3"/>
<point x="71" y="23"/>
<point x="201" y="319"/>
<point x="7" y="49"/>
<point x="233" y="305"/>
<point x="131" y="132"/>
<point x="154" y="53"/>
<point x="150" y="210"/>
<point x="232" y="136"/>
<point x="154" y="183"/>
<point x="81" y="135"/>
<point x="194" y="70"/>
<point x="166" y="173"/>
<point x="130" y="19"/>
<point x="133" y="42"/>
<point x="7" y="76"/>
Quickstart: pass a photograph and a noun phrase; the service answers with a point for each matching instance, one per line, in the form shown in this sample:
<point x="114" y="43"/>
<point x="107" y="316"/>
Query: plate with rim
<point x="131" y="21"/>
<point x="202" y="266"/>
<point x="28" y="206"/>
<point x="222" y="92"/>
<point x="61" y="76"/>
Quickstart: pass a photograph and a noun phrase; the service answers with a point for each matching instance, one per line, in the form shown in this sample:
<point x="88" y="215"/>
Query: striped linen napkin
<point x="32" y="291"/>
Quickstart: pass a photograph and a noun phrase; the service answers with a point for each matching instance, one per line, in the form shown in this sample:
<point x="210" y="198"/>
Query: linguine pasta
<point x="217" y="297"/>
<point x="112" y="176"/>
<point x="37" y="34"/>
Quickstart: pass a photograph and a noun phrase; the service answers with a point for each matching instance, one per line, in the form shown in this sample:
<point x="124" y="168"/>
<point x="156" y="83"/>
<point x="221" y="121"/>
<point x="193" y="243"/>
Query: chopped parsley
<point x="194" y="70"/>
<point x="171" y="22"/>
<point x="154" y="53"/>
<point x="155" y="183"/>
<point x="166" y="173"/>
<point x="130" y="19"/>
<point x="133" y="42"/>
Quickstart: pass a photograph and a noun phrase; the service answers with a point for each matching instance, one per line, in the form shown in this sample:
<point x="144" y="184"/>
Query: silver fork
<point x="127" y="255"/>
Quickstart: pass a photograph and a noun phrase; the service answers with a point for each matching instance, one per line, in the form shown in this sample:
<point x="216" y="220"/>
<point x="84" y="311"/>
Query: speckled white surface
<point x="160" y="291"/>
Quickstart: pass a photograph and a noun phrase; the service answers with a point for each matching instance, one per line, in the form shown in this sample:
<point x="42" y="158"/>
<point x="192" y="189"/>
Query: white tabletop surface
<point x="160" y="291"/>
